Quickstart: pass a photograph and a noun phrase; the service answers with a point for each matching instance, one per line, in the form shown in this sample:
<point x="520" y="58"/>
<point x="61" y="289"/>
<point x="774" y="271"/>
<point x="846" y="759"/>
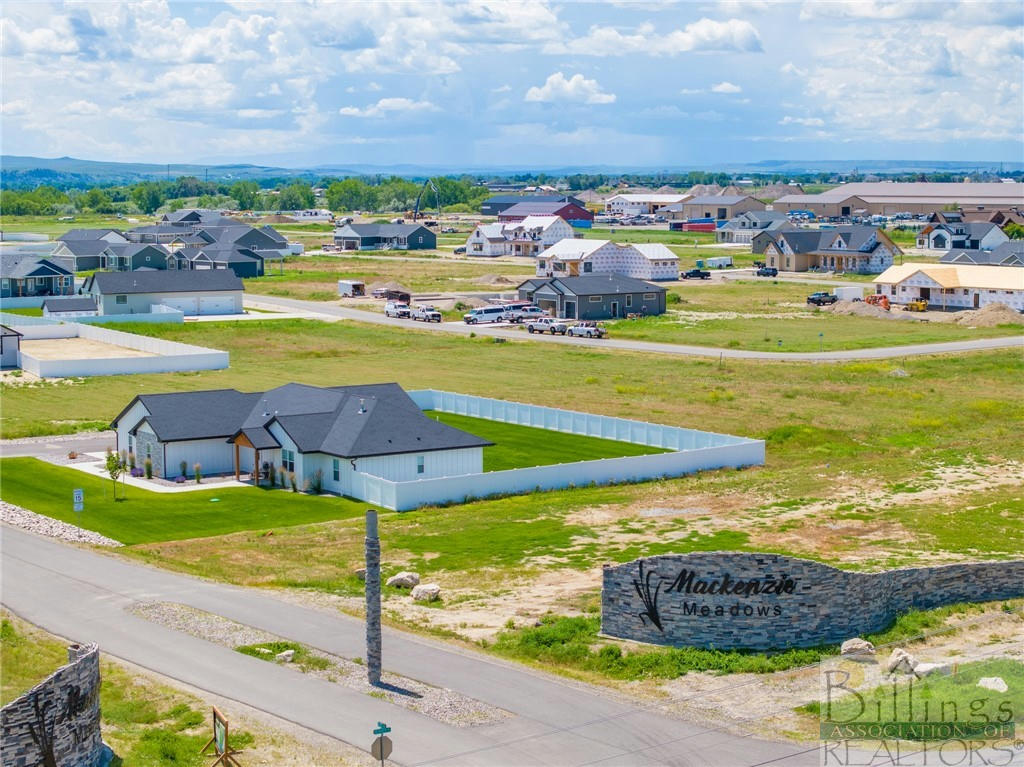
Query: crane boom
<point x="437" y="198"/>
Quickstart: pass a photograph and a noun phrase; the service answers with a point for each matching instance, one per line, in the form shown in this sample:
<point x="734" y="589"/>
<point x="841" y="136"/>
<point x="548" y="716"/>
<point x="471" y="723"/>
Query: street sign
<point x="381" y="729"/>
<point x="78" y="498"/>
<point x="381" y="748"/>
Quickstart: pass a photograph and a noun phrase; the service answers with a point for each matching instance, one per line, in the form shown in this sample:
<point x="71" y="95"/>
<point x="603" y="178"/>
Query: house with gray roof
<point x="83" y="255"/>
<point x="1010" y="253"/>
<point x="594" y="297"/>
<point x="337" y="433"/>
<point x="384" y="237"/>
<point x="967" y="235"/>
<point x="63" y="308"/>
<point x="499" y="203"/>
<point x="743" y="227"/>
<point x="856" y="248"/>
<point x="29" y="274"/>
<point x="135" y="256"/>
<point x="242" y="261"/>
<point x="187" y="216"/>
<point x="143" y="292"/>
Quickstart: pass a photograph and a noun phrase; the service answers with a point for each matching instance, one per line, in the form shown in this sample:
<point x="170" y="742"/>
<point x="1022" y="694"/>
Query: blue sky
<point x="508" y="83"/>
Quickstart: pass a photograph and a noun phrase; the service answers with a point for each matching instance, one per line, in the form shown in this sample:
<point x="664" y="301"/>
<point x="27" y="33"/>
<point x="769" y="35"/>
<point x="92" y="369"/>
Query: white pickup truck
<point x="426" y="313"/>
<point x="523" y="313"/>
<point x="546" y="324"/>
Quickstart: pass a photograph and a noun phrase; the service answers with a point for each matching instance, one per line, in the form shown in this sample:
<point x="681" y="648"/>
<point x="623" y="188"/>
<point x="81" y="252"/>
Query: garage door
<point x="216" y="305"/>
<point x="183" y="304"/>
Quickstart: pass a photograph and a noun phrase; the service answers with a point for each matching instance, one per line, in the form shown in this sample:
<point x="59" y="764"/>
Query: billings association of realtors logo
<point x="648" y="587"/>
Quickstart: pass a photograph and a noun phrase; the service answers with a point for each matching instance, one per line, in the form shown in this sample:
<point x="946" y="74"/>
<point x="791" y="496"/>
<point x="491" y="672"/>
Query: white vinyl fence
<point x="692" y="451"/>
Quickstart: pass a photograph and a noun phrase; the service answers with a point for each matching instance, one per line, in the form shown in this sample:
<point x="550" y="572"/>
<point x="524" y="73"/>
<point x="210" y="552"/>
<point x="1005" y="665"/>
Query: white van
<point x="484" y="314"/>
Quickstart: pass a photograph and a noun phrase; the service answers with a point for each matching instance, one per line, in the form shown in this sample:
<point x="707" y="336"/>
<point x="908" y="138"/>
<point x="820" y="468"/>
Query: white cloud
<point x="789" y="68"/>
<point x="389" y="105"/>
<point x="576" y="88"/>
<point x="726" y="87"/>
<point x="15" y="107"/>
<point x="258" y="114"/>
<point x="810" y="122"/>
<point x="690" y="91"/>
<point x="501" y="89"/>
<point x="82" y="107"/>
<point x="703" y="35"/>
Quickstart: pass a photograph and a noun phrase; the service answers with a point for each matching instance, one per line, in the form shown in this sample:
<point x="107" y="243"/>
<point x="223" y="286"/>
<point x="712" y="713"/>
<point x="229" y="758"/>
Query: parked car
<point x="426" y="314"/>
<point x="588" y="330"/>
<point x="396" y="309"/>
<point x="822" y="298"/>
<point x="523" y="313"/>
<point x="484" y="314"/>
<point x="767" y="271"/>
<point x="460" y="250"/>
<point x="546" y="324"/>
<point x="696" y="274"/>
<point x="448" y="230"/>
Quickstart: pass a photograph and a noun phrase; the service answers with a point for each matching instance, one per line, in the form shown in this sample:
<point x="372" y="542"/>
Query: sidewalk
<point x="99" y="469"/>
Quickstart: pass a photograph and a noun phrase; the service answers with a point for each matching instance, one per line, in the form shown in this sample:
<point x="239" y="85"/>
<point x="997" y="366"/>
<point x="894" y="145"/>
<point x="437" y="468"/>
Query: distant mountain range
<point x="21" y="171"/>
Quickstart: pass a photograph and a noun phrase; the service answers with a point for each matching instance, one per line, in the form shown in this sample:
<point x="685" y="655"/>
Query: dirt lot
<point x="77" y="348"/>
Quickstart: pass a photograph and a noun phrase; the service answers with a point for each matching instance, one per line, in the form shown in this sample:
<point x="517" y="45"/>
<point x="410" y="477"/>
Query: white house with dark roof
<point x="641" y="203"/>
<point x="190" y="292"/>
<point x="973" y="235"/>
<point x="1010" y="253"/>
<point x="741" y="229"/>
<point x="520" y="238"/>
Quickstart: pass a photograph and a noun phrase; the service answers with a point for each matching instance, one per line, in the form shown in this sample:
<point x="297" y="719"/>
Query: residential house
<point x="742" y="228"/>
<point x="888" y="198"/>
<point x="1010" y="253"/>
<point x="84" y="249"/>
<point x="193" y="217"/>
<point x="332" y="433"/>
<point x="191" y="292"/>
<point x="499" y="203"/>
<point x="384" y="237"/>
<point x="574" y="214"/>
<point x="953" y="286"/>
<point x="69" y="308"/>
<point x="28" y="274"/>
<point x="264" y="240"/>
<point x="594" y="297"/>
<point x="10" y="347"/>
<point x="242" y="261"/>
<point x="573" y="258"/>
<point x="134" y="256"/>
<point x="977" y="235"/>
<point x="641" y="204"/>
<point x="719" y="207"/>
<point x="521" y="238"/>
<point x="861" y="249"/>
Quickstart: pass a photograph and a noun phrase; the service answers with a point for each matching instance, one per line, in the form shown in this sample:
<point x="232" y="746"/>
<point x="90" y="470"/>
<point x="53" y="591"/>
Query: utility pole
<point x="372" y="599"/>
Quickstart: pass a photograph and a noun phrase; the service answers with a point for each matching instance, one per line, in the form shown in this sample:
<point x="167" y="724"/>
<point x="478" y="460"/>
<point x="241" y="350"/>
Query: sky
<point x="510" y="83"/>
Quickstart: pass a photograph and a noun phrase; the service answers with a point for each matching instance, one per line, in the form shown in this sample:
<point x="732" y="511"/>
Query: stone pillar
<point x="373" y="662"/>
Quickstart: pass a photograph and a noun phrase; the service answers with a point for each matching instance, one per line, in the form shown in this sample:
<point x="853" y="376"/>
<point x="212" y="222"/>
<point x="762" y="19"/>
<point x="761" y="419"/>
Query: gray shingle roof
<point x="86" y="234"/>
<point x="345" y="421"/>
<point x="86" y="247"/>
<point x="17" y="266"/>
<point x="603" y="284"/>
<point x="1007" y="254"/>
<point x="69" y="304"/>
<point x="163" y="281"/>
<point x="537" y="209"/>
<point x="382" y="230"/>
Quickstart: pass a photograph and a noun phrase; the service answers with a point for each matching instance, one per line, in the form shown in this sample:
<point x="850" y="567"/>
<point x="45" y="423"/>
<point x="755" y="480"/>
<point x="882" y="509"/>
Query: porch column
<point x="237" y="469"/>
<point x="256" y="467"/>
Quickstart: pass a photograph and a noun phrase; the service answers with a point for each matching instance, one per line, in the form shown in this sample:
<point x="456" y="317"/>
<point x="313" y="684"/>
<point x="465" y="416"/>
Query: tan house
<point x="860" y="249"/>
<point x="720" y="207"/>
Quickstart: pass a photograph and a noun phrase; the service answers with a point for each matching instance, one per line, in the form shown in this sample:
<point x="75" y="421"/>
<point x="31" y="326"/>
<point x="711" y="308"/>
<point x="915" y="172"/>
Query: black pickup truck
<point x="767" y="271"/>
<point x="822" y="298"/>
<point x="696" y="274"/>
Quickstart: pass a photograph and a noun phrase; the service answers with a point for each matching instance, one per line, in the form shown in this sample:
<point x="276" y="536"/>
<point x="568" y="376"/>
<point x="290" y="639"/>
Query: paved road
<point x="58" y="447"/>
<point x="82" y="595"/>
<point x="519" y="334"/>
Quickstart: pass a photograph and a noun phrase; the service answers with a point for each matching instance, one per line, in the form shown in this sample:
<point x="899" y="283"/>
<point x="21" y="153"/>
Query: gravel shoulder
<point x="52" y="528"/>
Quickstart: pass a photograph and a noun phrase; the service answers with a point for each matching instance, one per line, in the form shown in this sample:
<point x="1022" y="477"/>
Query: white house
<point x="575" y="258"/>
<point x="209" y="291"/>
<point x="972" y="235"/>
<point x="518" y="238"/>
<point x="962" y="286"/>
<point x="640" y="204"/>
<point x="69" y="307"/>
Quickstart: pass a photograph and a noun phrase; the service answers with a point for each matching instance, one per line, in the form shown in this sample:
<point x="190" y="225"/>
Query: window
<point x="122" y="299"/>
<point x="588" y="267"/>
<point x="558" y="266"/>
<point x="149" y="452"/>
<point x="147" y="259"/>
<point x="336" y="470"/>
<point x="540" y="263"/>
<point x="287" y="459"/>
<point x="5" y="284"/>
<point x="420" y="239"/>
<point x="419" y="464"/>
<point x="650" y="296"/>
<point x="629" y="299"/>
<point x="596" y="299"/>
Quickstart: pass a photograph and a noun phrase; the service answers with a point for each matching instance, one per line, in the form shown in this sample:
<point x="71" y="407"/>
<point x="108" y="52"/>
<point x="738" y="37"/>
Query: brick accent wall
<point x="773" y="601"/>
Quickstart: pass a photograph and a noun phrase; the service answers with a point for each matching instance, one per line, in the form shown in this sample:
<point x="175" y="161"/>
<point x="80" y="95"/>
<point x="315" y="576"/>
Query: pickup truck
<point x="587" y="330"/>
<point x="396" y="309"/>
<point x="767" y="271"/>
<point x="696" y="274"/>
<point x="548" y="324"/>
<point x="523" y="313"/>
<point x="426" y="313"/>
<point x="822" y="298"/>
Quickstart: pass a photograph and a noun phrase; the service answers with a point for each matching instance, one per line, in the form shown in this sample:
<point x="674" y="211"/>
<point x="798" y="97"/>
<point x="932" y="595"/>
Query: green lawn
<point x="24" y="311"/>
<point x="648" y="234"/>
<point x="522" y="446"/>
<point x="51" y="226"/>
<point x="146" y="516"/>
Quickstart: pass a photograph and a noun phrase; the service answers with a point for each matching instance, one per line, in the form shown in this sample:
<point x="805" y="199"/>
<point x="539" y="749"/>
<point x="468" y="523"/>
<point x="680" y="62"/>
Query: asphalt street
<point x="83" y="595"/>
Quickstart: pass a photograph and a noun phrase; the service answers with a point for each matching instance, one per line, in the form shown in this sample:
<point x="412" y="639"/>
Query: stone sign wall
<point x="767" y="601"/>
<point x="57" y="722"/>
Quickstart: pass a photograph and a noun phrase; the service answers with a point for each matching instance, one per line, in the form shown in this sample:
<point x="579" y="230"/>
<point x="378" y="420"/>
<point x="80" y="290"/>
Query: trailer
<point x="351" y="288"/>
<point x="850" y="293"/>
<point x="718" y="262"/>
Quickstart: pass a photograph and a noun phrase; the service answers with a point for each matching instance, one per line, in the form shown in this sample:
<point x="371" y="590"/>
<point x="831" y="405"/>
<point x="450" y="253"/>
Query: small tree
<point x="131" y="460"/>
<point x="198" y="471"/>
<point x="184" y="468"/>
<point x="114" y="469"/>
<point x="148" y="466"/>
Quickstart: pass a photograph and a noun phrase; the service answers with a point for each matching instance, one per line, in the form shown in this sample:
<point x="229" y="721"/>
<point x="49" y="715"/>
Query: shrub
<point x="72" y="455"/>
<point x="272" y="473"/>
<point x="293" y="482"/>
<point x="316" y="483"/>
<point x="674" y="298"/>
<point x="198" y="471"/>
<point x="136" y="471"/>
<point x="184" y="468"/>
<point x="131" y="461"/>
<point x="149" y="469"/>
<point x="180" y="479"/>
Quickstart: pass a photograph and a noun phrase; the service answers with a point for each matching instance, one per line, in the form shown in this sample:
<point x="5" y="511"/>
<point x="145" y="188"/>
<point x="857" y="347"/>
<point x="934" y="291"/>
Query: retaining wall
<point x="57" y="721"/>
<point x="677" y="599"/>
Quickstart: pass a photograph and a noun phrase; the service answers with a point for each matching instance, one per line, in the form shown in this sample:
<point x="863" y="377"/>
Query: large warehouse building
<point x="887" y="198"/>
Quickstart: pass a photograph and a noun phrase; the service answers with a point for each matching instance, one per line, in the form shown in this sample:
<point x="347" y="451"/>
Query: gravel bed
<point x="439" y="703"/>
<point x="58" y="438"/>
<point x="53" y="528"/>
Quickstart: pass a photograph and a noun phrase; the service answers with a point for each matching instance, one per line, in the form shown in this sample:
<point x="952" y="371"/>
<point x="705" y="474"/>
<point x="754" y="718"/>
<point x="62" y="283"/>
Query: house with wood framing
<point x="953" y="286"/>
<point x="575" y="258"/>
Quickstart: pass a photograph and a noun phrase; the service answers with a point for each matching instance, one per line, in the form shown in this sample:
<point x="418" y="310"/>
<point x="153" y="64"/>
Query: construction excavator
<point x="437" y="199"/>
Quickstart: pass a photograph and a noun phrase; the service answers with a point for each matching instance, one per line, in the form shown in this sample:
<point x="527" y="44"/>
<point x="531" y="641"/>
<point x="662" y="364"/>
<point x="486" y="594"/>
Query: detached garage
<point x="194" y="292"/>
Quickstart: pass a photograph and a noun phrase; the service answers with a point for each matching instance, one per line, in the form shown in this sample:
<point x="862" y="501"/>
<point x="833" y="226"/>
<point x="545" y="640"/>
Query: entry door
<point x="615" y="309"/>
<point x="977" y="300"/>
<point x="570" y="310"/>
<point x="926" y="294"/>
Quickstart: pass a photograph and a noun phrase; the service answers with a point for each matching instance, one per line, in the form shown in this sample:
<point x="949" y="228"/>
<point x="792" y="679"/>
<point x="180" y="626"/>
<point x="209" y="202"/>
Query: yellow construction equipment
<point x="917" y="305"/>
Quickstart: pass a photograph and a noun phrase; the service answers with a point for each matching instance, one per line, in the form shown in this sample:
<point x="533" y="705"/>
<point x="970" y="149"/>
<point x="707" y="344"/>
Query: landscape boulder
<point x="942" y="669"/>
<point x="404" y="580"/>
<point x="900" y="661"/>
<point x="426" y="592"/>
<point x="285" y="657"/>
<point x="360" y="573"/>
<point x="858" y="649"/>
<point x="995" y="683"/>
